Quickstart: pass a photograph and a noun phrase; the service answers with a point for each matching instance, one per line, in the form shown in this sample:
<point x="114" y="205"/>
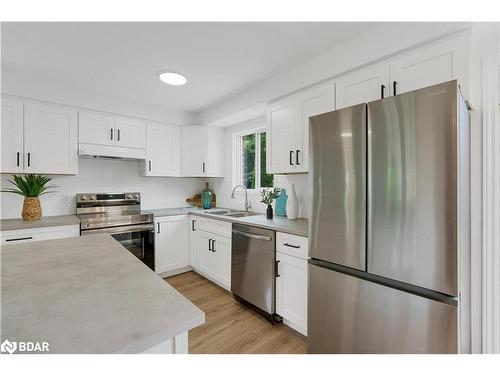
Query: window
<point x="251" y="170"/>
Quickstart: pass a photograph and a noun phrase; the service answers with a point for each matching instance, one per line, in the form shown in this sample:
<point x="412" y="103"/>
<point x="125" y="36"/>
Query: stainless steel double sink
<point x="229" y="212"/>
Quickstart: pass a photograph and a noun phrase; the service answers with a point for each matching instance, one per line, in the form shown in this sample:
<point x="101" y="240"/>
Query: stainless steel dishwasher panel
<point x="253" y="276"/>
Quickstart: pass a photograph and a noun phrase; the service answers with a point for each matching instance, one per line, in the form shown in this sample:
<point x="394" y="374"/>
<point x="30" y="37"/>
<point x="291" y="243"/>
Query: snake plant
<point x="30" y="185"/>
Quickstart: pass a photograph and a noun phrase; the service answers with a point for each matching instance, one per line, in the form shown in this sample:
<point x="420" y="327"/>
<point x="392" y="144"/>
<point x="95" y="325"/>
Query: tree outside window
<point x="253" y="161"/>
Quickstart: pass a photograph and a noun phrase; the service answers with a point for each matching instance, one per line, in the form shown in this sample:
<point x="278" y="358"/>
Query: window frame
<point x="238" y="160"/>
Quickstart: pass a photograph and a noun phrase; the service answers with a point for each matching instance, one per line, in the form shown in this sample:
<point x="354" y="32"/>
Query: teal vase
<point x="206" y="198"/>
<point x="281" y="203"/>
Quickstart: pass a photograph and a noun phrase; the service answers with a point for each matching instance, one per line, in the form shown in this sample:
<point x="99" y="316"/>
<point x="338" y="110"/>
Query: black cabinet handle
<point x="29" y="159"/>
<point x="111" y="133"/>
<point x="18" y="239"/>
<point x="294" y="246"/>
<point x="382" y="89"/>
<point x="18" y="159"/>
<point x="203" y="167"/>
<point x="158" y="226"/>
<point x="118" y="135"/>
<point x="149" y="162"/>
<point x="394" y="84"/>
<point x="192" y="225"/>
<point x="291" y="157"/>
<point x="276" y="268"/>
<point x="213" y="246"/>
<point x="210" y="244"/>
<point x="297" y="157"/>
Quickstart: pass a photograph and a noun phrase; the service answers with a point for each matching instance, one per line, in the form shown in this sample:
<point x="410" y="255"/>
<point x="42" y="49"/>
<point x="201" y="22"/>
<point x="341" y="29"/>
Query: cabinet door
<point x="430" y="65"/>
<point x="193" y="242"/>
<point x="194" y="151"/>
<point x="222" y="271"/>
<point x="314" y="101"/>
<point x="282" y="118"/>
<point x="96" y="128"/>
<point x="50" y="139"/>
<point x="204" y="255"/>
<point x="130" y="132"/>
<point x="363" y="85"/>
<point x="12" y="136"/>
<point x="291" y="291"/>
<point x="162" y="150"/>
<point x="171" y="243"/>
<point x="215" y="152"/>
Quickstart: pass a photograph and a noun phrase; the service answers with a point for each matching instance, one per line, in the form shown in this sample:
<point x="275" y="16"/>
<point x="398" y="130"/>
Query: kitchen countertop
<point x="173" y="211"/>
<point x="45" y="221"/>
<point x="88" y="295"/>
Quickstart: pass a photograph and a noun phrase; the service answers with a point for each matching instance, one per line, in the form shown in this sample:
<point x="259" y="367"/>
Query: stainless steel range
<point x="120" y="215"/>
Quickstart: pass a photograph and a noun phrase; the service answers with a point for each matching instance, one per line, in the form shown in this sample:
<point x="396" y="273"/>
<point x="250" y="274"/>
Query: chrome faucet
<point x="247" y="205"/>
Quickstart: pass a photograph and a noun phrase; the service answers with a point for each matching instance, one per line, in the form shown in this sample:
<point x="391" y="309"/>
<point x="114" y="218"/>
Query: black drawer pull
<point x="276" y="270"/>
<point x="294" y="246"/>
<point x="149" y="163"/>
<point x="192" y="225"/>
<point x="18" y="239"/>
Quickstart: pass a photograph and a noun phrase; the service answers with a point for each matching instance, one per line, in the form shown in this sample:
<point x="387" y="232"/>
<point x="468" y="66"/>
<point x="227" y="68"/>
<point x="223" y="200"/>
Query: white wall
<point x="35" y="86"/>
<point x="223" y="187"/>
<point x="381" y="43"/>
<point x="100" y="175"/>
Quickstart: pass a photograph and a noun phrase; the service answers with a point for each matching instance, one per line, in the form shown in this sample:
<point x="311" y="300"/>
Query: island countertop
<point x="88" y="295"/>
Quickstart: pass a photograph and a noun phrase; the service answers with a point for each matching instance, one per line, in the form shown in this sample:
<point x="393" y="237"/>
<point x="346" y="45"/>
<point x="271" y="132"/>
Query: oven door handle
<point x="118" y="230"/>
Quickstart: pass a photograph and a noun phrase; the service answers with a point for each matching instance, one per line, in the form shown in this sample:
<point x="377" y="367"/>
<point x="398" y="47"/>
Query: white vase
<point x="292" y="204"/>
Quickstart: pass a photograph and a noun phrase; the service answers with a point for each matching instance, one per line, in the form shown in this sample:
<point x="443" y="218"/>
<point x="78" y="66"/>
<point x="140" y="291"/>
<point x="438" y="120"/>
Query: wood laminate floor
<point x="231" y="327"/>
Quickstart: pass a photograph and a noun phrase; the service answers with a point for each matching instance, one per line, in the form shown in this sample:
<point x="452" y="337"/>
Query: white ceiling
<point x="123" y="59"/>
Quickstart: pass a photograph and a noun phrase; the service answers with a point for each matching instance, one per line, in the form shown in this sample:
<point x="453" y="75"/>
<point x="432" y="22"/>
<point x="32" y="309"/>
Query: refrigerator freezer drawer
<point x="352" y="315"/>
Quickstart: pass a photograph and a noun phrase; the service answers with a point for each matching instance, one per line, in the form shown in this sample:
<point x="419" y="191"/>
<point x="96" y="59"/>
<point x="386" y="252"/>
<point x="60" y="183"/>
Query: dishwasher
<point x="253" y="269"/>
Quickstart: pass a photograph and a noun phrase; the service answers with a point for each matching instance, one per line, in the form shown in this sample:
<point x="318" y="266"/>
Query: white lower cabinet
<point x="291" y="281"/>
<point x="11" y="237"/>
<point x="171" y="243"/>
<point x="210" y="246"/>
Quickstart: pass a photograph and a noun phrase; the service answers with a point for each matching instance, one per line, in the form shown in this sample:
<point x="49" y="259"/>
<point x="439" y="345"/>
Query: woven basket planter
<point x="31" y="209"/>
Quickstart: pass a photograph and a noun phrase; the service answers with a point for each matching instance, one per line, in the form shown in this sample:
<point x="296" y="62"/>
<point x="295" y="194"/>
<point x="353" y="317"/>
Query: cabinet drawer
<point x="290" y="244"/>
<point x="38" y="234"/>
<point x="222" y="228"/>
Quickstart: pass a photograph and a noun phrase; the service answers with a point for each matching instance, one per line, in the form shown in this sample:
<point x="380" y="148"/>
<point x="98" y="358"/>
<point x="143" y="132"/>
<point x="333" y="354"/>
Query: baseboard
<point x="175" y="272"/>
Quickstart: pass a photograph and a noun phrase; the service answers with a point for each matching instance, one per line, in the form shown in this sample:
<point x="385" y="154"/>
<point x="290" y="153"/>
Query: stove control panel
<point x="108" y="197"/>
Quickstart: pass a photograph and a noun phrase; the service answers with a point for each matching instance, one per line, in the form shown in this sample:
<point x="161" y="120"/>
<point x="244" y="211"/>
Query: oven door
<point x="138" y="239"/>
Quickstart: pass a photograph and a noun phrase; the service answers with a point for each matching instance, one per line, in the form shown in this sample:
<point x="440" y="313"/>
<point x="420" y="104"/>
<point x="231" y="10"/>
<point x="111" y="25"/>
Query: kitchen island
<point x="90" y="295"/>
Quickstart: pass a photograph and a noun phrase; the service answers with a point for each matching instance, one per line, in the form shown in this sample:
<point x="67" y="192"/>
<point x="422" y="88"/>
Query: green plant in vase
<point x="268" y="196"/>
<point x="31" y="187"/>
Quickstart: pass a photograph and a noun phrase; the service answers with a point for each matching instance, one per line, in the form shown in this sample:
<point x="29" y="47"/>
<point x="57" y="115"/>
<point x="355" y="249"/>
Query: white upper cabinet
<point x="202" y="152"/>
<point x="109" y="135"/>
<point x="96" y="128"/>
<point x="288" y="127"/>
<point x="430" y="65"/>
<point x="130" y="132"/>
<point x="162" y="149"/>
<point x="363" y="85"/>
<point x="171" y="243"/>
<point x="50" y="139"/>
<point x="282" y="124"/>
<point x="12" y="136"/>
<point x="314" y="101"/>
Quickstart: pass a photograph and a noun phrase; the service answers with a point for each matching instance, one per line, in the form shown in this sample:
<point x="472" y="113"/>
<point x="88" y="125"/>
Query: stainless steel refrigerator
<point x="389" y="232"/>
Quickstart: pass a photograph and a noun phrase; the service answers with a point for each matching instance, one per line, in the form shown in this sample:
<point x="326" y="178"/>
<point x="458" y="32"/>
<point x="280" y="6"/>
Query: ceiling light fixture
<point x="173" y="79"/>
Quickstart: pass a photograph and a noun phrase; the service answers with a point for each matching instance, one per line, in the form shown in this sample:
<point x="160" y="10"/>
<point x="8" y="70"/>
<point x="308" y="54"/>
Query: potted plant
<point x="268" y="196"/>
<point x="30" y="186"/>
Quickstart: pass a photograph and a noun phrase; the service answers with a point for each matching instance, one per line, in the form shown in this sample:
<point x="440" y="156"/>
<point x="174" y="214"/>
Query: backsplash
<point x="100" y="175"/>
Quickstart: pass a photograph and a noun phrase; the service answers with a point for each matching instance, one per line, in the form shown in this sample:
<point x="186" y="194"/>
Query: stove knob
<point x="93" y="197"/>
<point x="128" y="196"/>
<point x="136" y="196"/>
<point x="83" y="198"/>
